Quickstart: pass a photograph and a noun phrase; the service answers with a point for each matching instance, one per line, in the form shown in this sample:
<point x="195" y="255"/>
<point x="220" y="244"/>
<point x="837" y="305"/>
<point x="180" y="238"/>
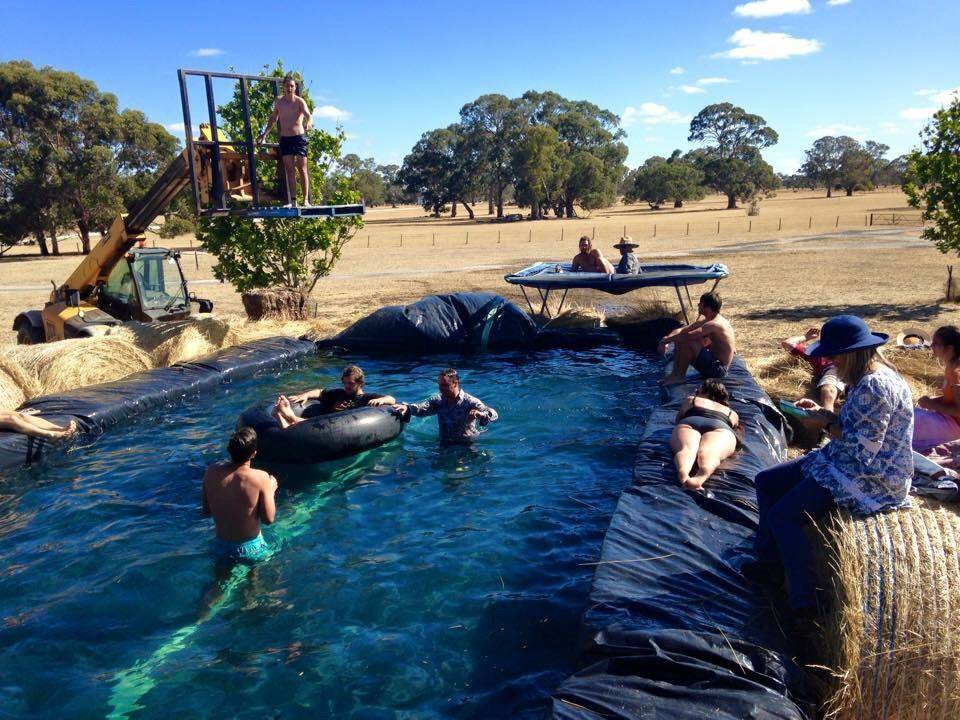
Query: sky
<point x="387" y="72"/>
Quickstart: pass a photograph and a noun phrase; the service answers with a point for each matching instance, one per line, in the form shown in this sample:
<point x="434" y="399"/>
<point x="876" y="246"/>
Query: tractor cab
<point x="148" y="286"/>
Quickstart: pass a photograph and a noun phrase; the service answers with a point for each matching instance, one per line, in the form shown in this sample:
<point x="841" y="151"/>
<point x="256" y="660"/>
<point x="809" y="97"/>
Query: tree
<point x="856" y="166"/>
<point x="659" y="180"/>
<point x="442" y="168"/>
<point x="394" y="193"/>
<point x="490" y="127"/>
<point x="364" y="178"/>
<point x="68" y="155"/>
<point x="932" y="181"/>
<point x="736" y="138"/>
<point x="540" y="167"/>
<point x="824" y="163"/>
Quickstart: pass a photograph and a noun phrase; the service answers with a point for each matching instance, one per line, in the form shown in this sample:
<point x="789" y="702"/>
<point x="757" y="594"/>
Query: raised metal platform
<point x="287" y="212"/>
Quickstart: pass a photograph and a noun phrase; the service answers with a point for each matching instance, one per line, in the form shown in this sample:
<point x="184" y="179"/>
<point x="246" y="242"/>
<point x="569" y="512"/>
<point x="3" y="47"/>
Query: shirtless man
<point x="707" y="343"/>
<point x="240" y="498"/>
<point x="589" y="259"/>
<point x="295" y="122"/>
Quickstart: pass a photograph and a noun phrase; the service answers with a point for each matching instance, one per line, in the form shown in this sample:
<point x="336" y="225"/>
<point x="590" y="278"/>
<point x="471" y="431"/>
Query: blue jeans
<point x="787" y="501"/>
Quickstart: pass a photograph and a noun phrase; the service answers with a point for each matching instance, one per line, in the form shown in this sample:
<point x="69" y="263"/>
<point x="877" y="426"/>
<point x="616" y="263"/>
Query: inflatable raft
<point x="321" y="438"/>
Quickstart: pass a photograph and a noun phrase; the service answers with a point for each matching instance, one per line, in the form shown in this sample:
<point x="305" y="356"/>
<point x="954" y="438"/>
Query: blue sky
<point x="388" y="71"/>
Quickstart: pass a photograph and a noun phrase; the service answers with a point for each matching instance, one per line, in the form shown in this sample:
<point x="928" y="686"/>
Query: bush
<point x="176" y="225"/>
<point x="753" y="209"/>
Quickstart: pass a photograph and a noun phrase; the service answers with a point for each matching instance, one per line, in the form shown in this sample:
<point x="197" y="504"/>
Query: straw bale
<point x="16" y="383"/>
<point x="892" y="638"/>
<point x="577" y="316"/>
<point x="643" y="311"/>
<point x="69" y="364"/>
<point x="189" y="344"/>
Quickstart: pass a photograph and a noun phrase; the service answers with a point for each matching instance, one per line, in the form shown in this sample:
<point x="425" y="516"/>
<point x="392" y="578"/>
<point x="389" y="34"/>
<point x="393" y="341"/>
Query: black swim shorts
<point x="708" y="366"/>
<point x="293" y="145"/>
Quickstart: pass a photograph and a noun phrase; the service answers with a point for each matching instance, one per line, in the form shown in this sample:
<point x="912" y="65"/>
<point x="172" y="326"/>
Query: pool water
<point x="416" y="580"/>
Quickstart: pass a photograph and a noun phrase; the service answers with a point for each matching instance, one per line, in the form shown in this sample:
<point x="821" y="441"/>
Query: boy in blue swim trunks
<point x="239" y="498"/>
<point x="708" y="343"/>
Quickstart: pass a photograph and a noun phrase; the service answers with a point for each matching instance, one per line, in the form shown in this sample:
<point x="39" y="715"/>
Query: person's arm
<point x="268" y="505"/>
<point x="791" y="344"/>
<point x="481" y="413"/>
<point x="864" y="424"/>
<point x="684" y="406"/>
<point x="423" y="409"/>
<point x="306" y="395"/>
<point x="607" y="265"/>
<point x="274" y="116"/>
<point x="308" y="123"/>
<point x="381" y="400"/>
<point x="939" y="403"/>
<point x="575" y="265"/>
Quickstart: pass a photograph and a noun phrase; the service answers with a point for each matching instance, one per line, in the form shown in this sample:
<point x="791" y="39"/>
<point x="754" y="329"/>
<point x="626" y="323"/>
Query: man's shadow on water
<point x="877" y="311"/>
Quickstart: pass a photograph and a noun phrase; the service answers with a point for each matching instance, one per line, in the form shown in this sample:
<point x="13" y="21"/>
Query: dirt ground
<point x="804" y="258"/>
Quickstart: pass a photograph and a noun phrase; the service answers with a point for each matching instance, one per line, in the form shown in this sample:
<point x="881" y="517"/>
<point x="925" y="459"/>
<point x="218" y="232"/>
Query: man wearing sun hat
<point x="629" y="264"/>
<point x="866" y="468"/>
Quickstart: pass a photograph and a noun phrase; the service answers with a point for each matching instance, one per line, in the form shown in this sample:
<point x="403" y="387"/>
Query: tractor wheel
<point x="27" y="334"/>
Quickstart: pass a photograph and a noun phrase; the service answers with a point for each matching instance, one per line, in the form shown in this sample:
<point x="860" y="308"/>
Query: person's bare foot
<point x="683" y="477"/>
<point x="694" y="482"/>
<point x="71" y="428"/>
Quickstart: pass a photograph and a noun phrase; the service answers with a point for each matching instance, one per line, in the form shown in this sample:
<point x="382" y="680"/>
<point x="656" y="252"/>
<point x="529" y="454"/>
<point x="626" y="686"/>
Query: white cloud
<point x="923" y="93"/>
<point x="836" y="129"/>
<point x="942" y="98"/>
<point x="175" y="127"/>
<point x="691" y="89"/>
<point x="772" y="8"/>
<point x="917" y="113"/>
<point x="714" y="81"/>
<point x="207" y="52"/>
<point x="755" y="45"/>
<point x="945" y="97"/>
<point x="892" y="128"/>
<point x="331" y="112"/>
<point x="652" y="139"/>
<point x="838" y="2"/>
<point x="678" y="70"/>
<point x="650" y="113"/>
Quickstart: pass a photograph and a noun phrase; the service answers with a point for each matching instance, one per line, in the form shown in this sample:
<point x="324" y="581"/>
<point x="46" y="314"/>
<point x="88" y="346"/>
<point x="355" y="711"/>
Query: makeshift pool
<point x="415" y="580"/>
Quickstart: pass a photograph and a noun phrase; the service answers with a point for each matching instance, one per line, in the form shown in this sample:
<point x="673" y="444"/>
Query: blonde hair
<point x="852" y="366"/>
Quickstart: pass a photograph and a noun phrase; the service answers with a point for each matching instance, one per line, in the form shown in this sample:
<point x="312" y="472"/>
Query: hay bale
<point x="643" y="311"/>
<point x="274" y="303"/>
<point x="577" y="316"/>
<point x="70" y="364"/>
<point x="189" y="344"/>
<point x="17" y="384"/>
<point x="892" y="638"/>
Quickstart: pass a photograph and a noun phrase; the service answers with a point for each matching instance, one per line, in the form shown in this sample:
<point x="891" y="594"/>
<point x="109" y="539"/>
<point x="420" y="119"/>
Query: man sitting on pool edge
<point x="458" y="413"/>
<point x="708" y="343"/>
<point x="239" y="498"/>
<point x="331" y="399"/>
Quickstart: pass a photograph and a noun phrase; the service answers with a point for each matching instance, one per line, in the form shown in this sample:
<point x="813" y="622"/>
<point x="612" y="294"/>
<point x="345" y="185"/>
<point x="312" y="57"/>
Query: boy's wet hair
<point x="451" y="375"/>
<point x="296" y="83"/>
<point x="354" y="373"/>
<point x="242" y="445"/>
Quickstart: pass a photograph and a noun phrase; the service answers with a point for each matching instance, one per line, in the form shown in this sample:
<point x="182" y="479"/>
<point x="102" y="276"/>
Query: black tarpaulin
<point x="676" y="631"/>
<point x="99" y="406"/>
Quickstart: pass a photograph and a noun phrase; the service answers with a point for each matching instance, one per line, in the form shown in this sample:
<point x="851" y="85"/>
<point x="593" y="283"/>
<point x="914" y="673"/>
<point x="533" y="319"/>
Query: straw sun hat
<point x="912" y="338"/>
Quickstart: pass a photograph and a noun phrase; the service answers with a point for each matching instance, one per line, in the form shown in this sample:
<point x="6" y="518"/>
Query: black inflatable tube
<point x="99" y="406"/>
<point x="674" y="629"/>
<point x="321" y="438"/>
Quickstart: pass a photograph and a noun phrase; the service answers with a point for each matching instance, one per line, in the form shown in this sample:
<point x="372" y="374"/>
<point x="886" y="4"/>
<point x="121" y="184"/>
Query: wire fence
<point x="494" y="233"/>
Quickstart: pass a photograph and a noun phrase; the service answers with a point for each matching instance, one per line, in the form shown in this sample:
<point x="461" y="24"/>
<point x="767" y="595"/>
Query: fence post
<point x="191" y="243"/>
<point x="718" y="227"/>
<point x="864" y="220"/>
<point x="871" y="219"/>
<point x="530" y="236"/>
<point x="368" y="241"/>
<point x="750" y="226"/>
<point x="467" y="241"/>
<point x="561" y="233"/>
<point x="688" y="228"/>
<point x="949" y="282"/>
<point x="401" y="239"/>
<point x="837" y="224"/>
<point x="593" y="233"/>
<point x="780" y="224"/>
<point x="434" y="239"/>
<point x="624" y="230"/>
<point x="810" y="223"/>
<point x="498" y="237"/>
<point x="654" y="229"/>
<point x="78" y="248"/>
<point x="196" y="259"/>
<point x="154" y="242"/>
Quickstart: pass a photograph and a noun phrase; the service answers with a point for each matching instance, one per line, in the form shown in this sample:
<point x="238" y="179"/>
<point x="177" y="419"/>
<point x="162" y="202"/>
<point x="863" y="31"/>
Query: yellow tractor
<point x="120" y="280"/>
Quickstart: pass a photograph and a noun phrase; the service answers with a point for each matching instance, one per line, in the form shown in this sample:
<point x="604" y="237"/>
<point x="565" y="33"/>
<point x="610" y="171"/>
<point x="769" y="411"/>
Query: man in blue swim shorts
<point x="708" y="343"/>
<point x="239" y="498"/>
<point x="295" y="122"/>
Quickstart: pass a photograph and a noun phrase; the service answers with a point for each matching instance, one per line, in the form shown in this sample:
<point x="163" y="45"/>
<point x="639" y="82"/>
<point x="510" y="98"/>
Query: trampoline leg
<point x="683" y="308"/>
<point x="545" y="296"/>
<point x="529" y="305"/>
<point x="562" y="299"/>
<point x="689" y="299"/>
<point x="715" y="283"/>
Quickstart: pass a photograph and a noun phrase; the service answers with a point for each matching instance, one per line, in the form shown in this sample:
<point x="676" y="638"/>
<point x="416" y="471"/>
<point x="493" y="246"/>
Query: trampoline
<point x="547" y="277"/>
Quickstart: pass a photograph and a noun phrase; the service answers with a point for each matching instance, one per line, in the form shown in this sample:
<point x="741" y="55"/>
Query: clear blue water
<point x="413" y="581"/>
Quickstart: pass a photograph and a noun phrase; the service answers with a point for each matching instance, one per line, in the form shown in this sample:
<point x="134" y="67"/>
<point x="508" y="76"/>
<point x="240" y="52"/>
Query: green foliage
<point x="441" y="168"/>
<point x="659" y="180"/>
<point x="68" y="155"/>
<point x="844" y="162"/>
<point x="291" y="253"/>
<point x="932" y="181"/>
<point x="174" y="226"/>
<point x="541" y="168"/>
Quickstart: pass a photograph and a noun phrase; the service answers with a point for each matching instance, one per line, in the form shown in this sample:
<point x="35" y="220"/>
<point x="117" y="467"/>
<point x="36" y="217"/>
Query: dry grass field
<point x="804" y="258"/>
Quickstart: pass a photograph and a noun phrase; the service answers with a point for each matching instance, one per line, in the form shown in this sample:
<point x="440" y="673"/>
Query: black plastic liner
<point x="676" y="631"/>
<point x="441" y="323"/>
<point x="99" y="406"/>
<point x="321" y="438"/>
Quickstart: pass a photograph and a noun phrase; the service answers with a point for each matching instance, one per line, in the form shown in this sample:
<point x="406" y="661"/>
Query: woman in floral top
<point x="866" y="468"/>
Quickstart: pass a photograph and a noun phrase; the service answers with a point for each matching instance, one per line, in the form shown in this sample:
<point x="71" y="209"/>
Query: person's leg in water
<point x="684" y="442"/>
<point x="34" y="426"/>
<point x="684" y="351"/>
<point x="715" y="447"/>
<point x="290" y="173"/>
<point x="301" y="163"/>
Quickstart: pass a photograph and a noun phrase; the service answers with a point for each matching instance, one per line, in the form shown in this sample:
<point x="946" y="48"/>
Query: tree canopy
<point x="659" y="180"/>
<point x="68" y="155"/>
<point x="845" y="162"/>
<point x="932" y="181"/>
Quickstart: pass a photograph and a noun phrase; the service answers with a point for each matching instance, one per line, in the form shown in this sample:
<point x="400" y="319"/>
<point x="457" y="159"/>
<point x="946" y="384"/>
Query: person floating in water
<point x="295" y="122"/>
<point x="708" y="343"/>
<point x="590" y="259"/>
<point x="239" y="498"/>
<point x="331" y="399"/>
<point x="458" y="413"/>
<point x="27" y="424"/>
<point x="629" y="264"/>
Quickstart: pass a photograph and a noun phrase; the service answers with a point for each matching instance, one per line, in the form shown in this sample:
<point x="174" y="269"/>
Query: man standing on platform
<point x="295" y="122"/>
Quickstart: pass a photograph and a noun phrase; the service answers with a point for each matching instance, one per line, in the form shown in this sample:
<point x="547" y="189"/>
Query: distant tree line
<point x="377" y="184"/>
<point x="845" y="163"/>
<point x="549" y="153"/>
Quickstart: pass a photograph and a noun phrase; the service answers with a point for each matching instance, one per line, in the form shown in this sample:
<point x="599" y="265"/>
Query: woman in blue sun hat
<point x="866" y="467"/>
